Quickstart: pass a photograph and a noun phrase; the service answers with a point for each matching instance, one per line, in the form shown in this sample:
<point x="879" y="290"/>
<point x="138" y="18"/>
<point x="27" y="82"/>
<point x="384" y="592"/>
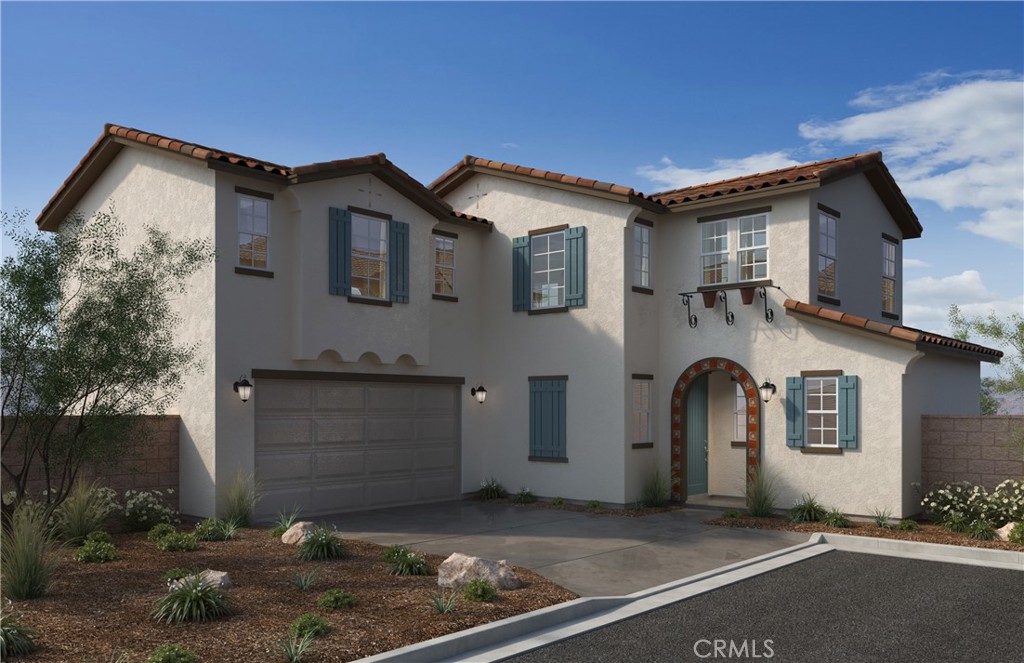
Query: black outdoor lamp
<point x="479" y="393"/>
<point x="243" y="388"/>
<point x="767" y="390"/>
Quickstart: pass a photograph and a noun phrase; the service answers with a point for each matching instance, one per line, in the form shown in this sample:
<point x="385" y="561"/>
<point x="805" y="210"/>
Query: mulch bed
<point x="94" y="612"/>
<point x="926" y="532"/>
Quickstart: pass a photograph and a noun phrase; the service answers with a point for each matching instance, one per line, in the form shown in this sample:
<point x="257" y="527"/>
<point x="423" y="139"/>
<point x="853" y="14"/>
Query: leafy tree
<point x="1009" y="334"/>
<point x="87" y="340"/>
<point x="989" y="403"/>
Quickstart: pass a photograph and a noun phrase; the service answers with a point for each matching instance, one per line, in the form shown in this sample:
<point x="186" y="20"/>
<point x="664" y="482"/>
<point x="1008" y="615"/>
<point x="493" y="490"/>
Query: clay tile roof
<point x="909" y="334"/>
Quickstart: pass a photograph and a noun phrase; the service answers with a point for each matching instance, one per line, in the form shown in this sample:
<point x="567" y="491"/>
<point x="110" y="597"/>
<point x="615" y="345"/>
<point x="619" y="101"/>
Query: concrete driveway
<point x="590" y="554"/>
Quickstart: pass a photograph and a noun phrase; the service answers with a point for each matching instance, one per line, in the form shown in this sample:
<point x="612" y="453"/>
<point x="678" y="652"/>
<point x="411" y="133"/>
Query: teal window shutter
<point x="339" y="251"/>
<point x="576" y="266"/>
<point x="521" y="274"/>
<point x="794" y="412"/>
<point x="398" y="261"/>
<point x="547" y="418"/>
<point x="848" y="411"/>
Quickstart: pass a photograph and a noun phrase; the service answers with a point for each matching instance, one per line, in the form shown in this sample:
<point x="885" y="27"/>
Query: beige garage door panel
<point x="328" y="447"/>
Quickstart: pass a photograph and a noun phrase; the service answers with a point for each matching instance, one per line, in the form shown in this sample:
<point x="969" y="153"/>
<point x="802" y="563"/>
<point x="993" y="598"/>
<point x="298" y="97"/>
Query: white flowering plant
<point x="143" y="509"/>
<point x="1008" y="497"/>
<point x="963" y="502"/>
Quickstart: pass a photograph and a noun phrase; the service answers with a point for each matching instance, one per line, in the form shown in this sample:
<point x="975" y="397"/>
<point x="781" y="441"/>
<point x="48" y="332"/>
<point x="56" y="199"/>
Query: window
<point x="641" y="255"/>
<point x="549" y="269"/>
<point x="444" y="266"/>
<point x="642" y="430"/>
<point x="888" y="276"/>
<point x="827" y="226"/>
<point x="822" y="410"/>
<point x="368" y="257"/>
<point x="740" y="415"/>
<point x="547" y="418"/>
<point x="747" y="232"/>
<point x="253" y="231"/>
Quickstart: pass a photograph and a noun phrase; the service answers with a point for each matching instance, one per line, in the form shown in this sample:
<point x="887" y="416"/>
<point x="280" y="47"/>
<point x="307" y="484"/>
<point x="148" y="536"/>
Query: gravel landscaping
<point x="95" y="612"/>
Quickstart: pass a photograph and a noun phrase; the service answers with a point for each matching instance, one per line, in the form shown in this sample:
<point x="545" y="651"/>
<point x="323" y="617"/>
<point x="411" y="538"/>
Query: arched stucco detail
<point x="332" y="355"/>
<point x="406" y="360"/>
<point x="678" y="410"/>
<point x="370" y="358"/>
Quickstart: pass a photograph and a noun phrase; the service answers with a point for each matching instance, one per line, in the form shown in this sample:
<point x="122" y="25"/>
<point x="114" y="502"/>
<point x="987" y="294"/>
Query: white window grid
<point x="740" y="415"/>
<point x="822" y="411"/>
<point x="369" y="257"/>
<point x="444" y="266"/>
<point x="642" y="429"/>
<point x="253" y="232"/>
<point x="827" y="254"/>
<point x="888" y="276"/>
<point x="641" y="256"/>
<point x="714" y="252"/>
<point x="752" y="255"/>
<point x="547" y="261"/>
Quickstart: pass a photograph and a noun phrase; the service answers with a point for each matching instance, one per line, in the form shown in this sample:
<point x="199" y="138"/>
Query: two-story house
<point x="614" y="333"/>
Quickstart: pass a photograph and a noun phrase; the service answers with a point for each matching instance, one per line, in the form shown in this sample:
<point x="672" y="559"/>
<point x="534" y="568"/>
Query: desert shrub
<point x="101" y="536"/>
<point x="215" y="529"/>
<point x="955" y="521"/>
<point x="1017" y="533"/>
<point x="907" y="525"/>
<point x="143" y="509"/>
<point x="394" y="553"/>
<point x="177" y="573"/>
<point x="96" y="552"/>
<point x="321" y="544"/>
<point x="981" y="530"/>
<point x="85" y="510"/>
<point x="178" y="542"/>
<point x="731" y="513"/>
<point x="294" y="647"/>
<point x="409" y="564"/>
<point x="284" y="522"/>
<point x="444" y="603"/>
<point x="524" y="496"/>
<point x="656" y="490"/>
<point x="882" y="517"/>
<point x="172" y="654"/>
<point x="16" y="639"/>
<point x="160" y="530"/>
<point x="309" y="623"/>
<point x="835" y="518"/>
<point x="28" y="553"/>
<point x="240" y="499"/>
<point x="806" y="510"/>
<point x="333" y="599"/>
<point x="761" y="494"/>
<point x="193" y="600"/>
<point x="558" y="501"/>
<point x="490" y="489"/>
<point x="594" y="505"/>
<point x="480" y="590"/>
<point x="304" y="579"/>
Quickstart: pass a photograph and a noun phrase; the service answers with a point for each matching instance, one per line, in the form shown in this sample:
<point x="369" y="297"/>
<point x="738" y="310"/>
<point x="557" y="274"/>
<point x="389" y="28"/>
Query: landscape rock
<point x="1003" y="533"/>
<point x="297" y="533"/>
<point x="459" y="569"/>
<point x="218" y="579"/>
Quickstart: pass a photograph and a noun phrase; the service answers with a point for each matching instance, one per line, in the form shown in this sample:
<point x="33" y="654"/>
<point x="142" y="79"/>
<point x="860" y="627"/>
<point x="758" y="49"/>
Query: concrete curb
<point x="935" y="552"/>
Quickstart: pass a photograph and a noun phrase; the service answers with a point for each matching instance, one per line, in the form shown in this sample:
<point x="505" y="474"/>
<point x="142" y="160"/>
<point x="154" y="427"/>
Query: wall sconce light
<point x="243" y="388"/>
<point x="767" y="390"/>
<point x="479" y="393"/>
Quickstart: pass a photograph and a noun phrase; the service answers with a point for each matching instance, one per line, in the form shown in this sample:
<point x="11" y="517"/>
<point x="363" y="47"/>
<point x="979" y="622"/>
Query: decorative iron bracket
<point x="730" y="317"/>
<point x="690" y="317"/>
<point x="769" y="314"/>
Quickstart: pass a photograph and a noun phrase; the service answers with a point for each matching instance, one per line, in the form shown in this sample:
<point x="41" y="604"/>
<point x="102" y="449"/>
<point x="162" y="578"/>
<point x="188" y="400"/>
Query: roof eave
<point x="85" y="174"/>
<point x="740" y="196"/>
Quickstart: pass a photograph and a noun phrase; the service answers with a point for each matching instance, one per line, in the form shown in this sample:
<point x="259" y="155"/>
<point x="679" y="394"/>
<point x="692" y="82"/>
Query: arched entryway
<point x="679" y="396"/>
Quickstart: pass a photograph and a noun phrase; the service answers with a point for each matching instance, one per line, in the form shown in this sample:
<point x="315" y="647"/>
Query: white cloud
<point x="914" y="263"/>
<point x="511" y="146"/>
<point x="671" y="176"/>
<point x="927" y="300"/>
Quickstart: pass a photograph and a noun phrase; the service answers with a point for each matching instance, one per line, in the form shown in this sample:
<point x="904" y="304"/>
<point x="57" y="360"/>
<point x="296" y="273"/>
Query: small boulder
<point x="218" y="579"/>
<point x="297" y="533"/>
<point x="459" y="569"/>
<point x="1003" y="533"/>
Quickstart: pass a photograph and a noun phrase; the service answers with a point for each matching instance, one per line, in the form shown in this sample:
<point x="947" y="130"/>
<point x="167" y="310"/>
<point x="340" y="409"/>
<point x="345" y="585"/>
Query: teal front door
<point x="697" y="437"/>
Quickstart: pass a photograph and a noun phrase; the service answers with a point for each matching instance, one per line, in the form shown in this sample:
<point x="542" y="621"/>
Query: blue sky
<point x="651" y="95"/>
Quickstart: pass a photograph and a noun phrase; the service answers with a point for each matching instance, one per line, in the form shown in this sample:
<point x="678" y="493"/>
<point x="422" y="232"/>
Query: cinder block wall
<point x="970" y="448"/>
<point x="153" y="464"/>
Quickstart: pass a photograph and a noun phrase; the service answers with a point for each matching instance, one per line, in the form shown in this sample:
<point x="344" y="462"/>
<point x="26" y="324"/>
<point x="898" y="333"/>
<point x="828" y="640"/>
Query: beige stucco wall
<point x="726" y="465"/>
<point x="175" y="194"/>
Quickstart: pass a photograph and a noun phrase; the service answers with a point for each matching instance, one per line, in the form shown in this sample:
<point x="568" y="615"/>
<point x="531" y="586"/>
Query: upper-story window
<point x="547" y="262"/>
<point x="549" y="270"/>
<point x="734" y="249"/>
<point x="827" y="256"/>
<point x="642" y="255"/>
<point x="888" y="276"/>
<point x="444" y="265"/>
<point x="253" y="232"/>
<point x="368" y="256"/>
<point x="369" y="262"/>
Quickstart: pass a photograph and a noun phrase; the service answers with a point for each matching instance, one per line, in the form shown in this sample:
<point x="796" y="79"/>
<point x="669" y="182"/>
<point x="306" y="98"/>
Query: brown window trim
<point x="890" y="316"/>
<point x="369" y="212"/>
<point x="274" y="374"/>
<point x="547" y="459"/>
<point x="825" y="299"/>
<point x="642" y="376"/>
<point x="734" y="215"/>
<point x="642" y="290"/>
<point x="444" y="233"/>
<point x="642" y="445"/>
<point x="254" y="193"/>
<point x="644" y="222"/>
<point x="249" y="271"/>
<point x="738" y="444"/>
<point x="824" y="451"/>
<point x="546" y="231"/>
<point x="542" y="311"/>
<point x="444" y="298"/>
<point x="832" y="373"/>
<point x="890" y="238"/>
<point x="367" y="300"/>
<point x="828" y="210"/>
<point x="538" y="378"/>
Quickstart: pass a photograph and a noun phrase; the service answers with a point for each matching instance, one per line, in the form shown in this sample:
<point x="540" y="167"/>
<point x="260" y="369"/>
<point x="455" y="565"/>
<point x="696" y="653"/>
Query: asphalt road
<point x="839" y="606"/>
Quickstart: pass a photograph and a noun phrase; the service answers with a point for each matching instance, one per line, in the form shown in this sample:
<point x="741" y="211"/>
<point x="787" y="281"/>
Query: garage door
<point x="327" y="446"/>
